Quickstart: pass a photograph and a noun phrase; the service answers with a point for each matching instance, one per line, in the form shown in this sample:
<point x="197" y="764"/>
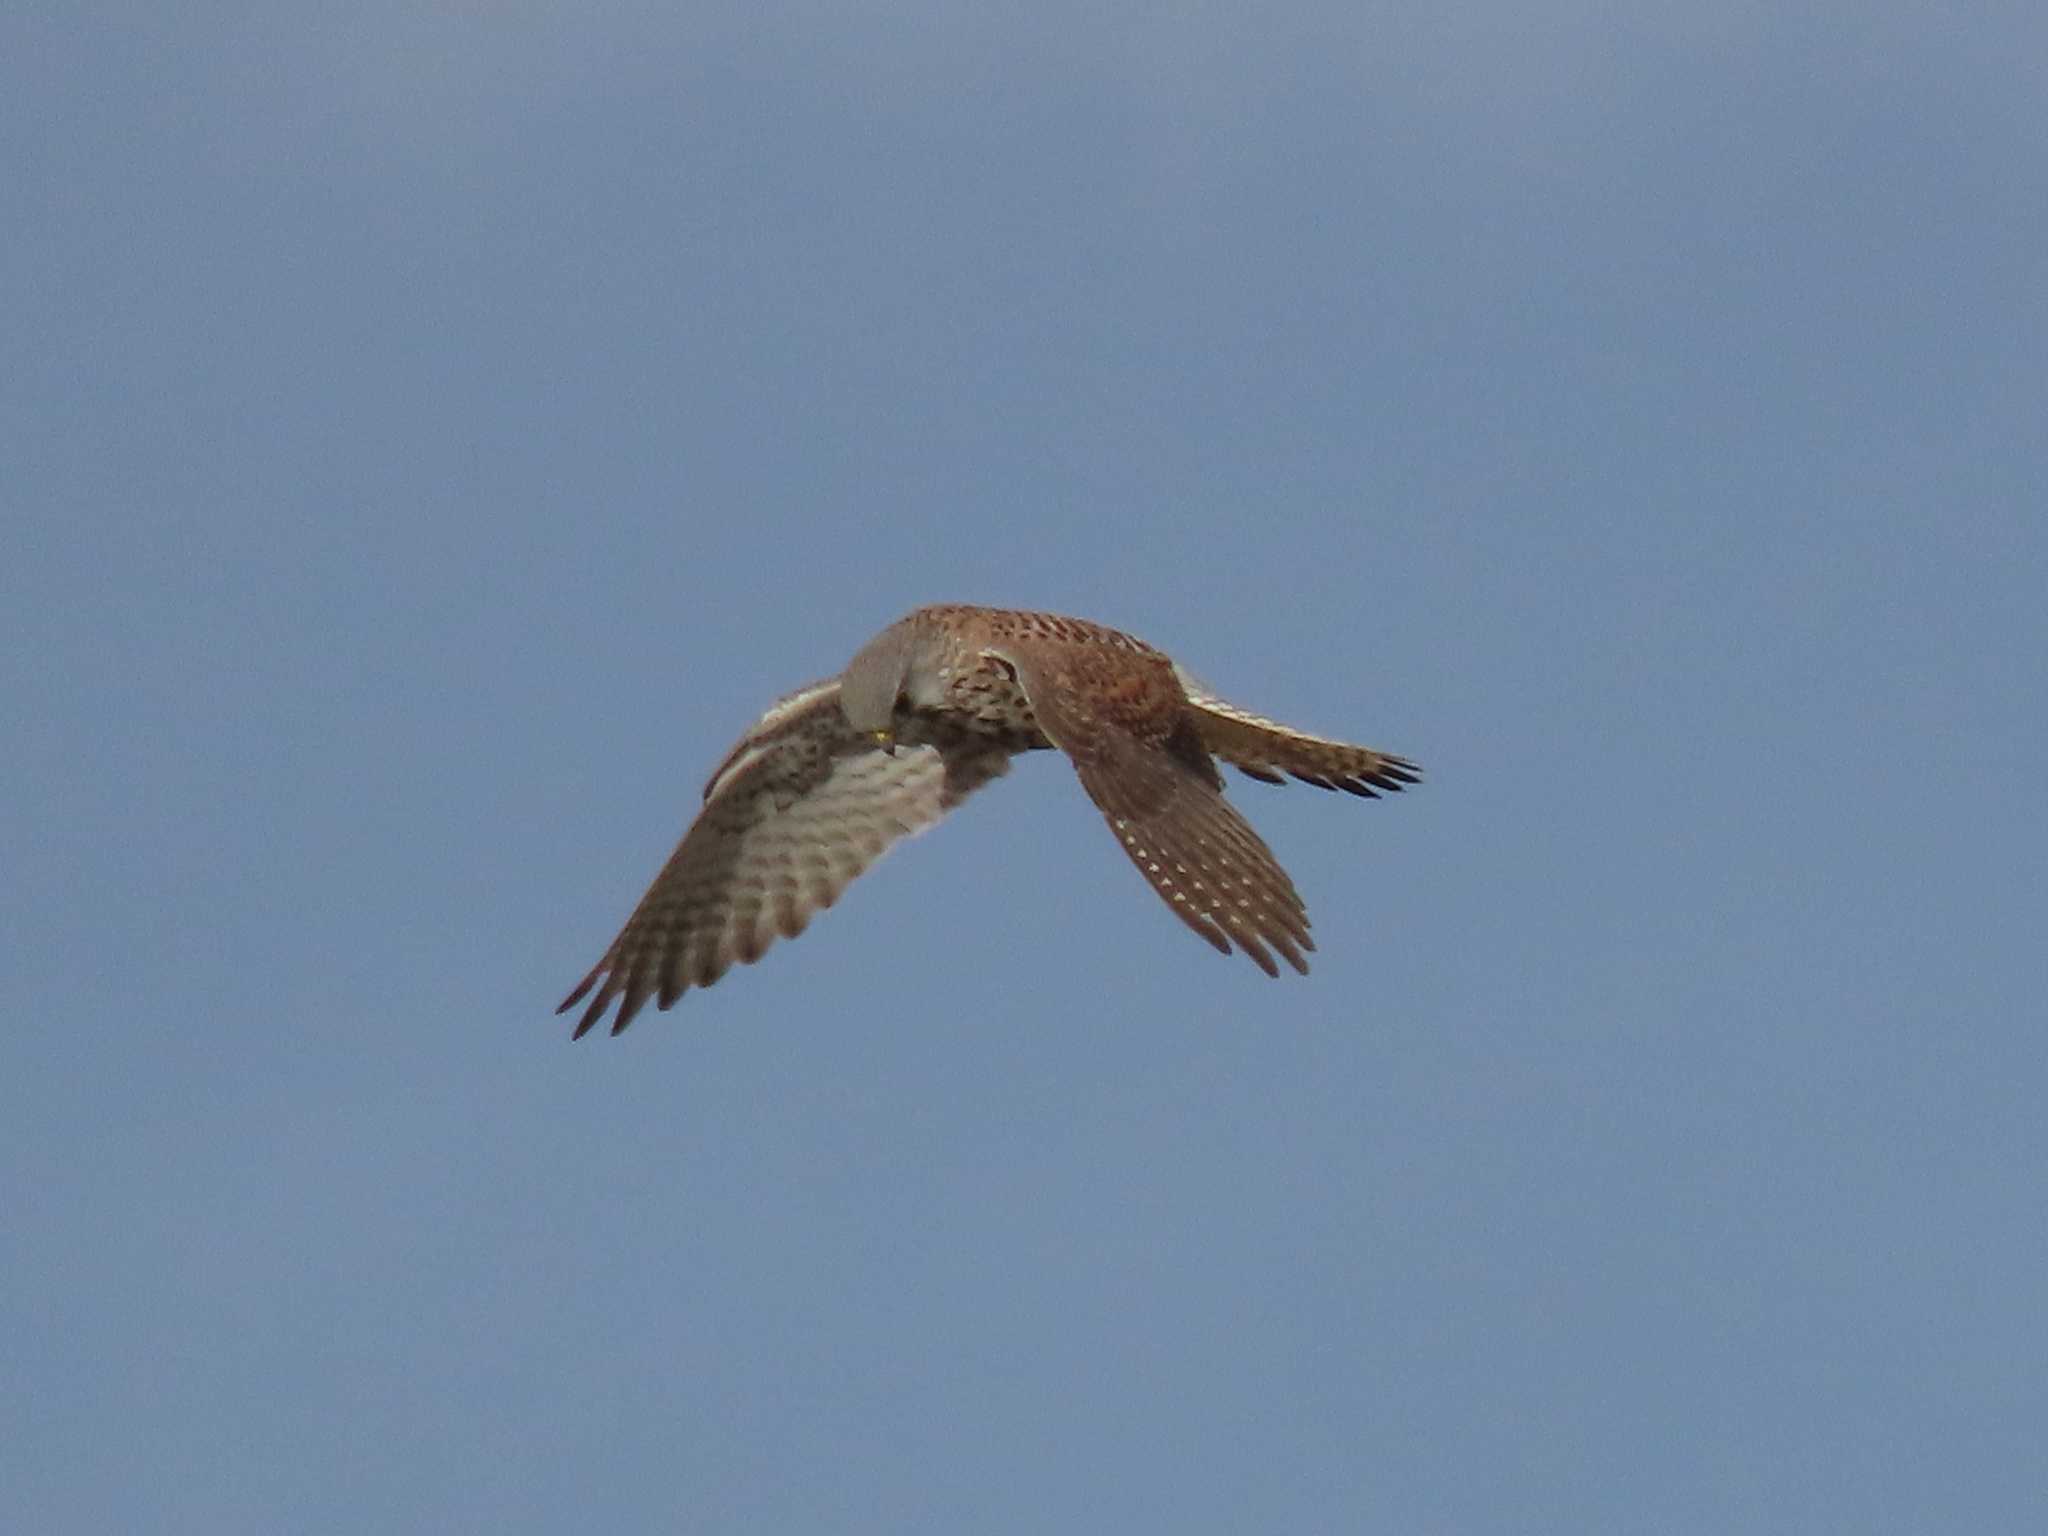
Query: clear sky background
<point x="433" y="432"/>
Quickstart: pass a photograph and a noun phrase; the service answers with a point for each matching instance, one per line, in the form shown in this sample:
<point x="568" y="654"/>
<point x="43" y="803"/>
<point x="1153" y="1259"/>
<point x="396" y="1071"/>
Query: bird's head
<point x="875" y="681"/>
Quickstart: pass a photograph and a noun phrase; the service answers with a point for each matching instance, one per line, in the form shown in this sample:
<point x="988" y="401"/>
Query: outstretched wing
<point x="1121" y="718"/>
<point x="800" y="806"/>
<point x="1268" y="751"/>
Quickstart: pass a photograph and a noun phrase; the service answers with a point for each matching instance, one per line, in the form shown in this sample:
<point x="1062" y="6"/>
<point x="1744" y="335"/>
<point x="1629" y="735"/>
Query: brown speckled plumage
<point x="806" y="800"/>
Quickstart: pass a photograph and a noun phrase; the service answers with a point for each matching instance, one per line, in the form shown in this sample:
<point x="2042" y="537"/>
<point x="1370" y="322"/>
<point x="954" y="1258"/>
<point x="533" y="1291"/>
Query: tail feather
<point x="1268" y="751"/>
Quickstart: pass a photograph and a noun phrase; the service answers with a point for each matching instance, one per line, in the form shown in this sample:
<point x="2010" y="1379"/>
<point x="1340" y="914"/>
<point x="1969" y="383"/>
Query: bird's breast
<point x="983" y="697"/>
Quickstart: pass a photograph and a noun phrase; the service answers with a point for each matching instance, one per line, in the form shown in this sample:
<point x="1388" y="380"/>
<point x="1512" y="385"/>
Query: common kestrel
<point x="926" y="713"/>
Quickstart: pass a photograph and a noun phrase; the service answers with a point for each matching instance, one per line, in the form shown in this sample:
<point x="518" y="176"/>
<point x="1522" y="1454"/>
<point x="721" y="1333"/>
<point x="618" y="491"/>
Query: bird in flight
<point x="926" y="713"/>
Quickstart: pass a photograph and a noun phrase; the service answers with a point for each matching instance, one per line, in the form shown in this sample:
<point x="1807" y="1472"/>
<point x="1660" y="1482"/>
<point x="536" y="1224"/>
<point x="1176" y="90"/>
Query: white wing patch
<point x="793" y="711"/>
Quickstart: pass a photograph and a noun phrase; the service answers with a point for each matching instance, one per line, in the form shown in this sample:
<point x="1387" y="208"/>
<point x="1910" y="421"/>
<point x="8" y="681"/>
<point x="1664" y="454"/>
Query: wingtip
<point x="1402" y="772"/>
<point x="576" y="996"/>
<point x="598" y="1004"/>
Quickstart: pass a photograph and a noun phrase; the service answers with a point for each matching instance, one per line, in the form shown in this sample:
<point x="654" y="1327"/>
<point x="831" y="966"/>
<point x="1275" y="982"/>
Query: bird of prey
<point x="926" y="713"/>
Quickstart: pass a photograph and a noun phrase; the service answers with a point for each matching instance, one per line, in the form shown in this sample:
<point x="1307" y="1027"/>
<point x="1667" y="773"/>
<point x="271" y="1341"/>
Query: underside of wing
<point x="1270" y="752"/>
<point x="801" y="806"/>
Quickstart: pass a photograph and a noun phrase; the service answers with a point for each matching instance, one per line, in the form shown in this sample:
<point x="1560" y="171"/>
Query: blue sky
<point x="432" y="433"/>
